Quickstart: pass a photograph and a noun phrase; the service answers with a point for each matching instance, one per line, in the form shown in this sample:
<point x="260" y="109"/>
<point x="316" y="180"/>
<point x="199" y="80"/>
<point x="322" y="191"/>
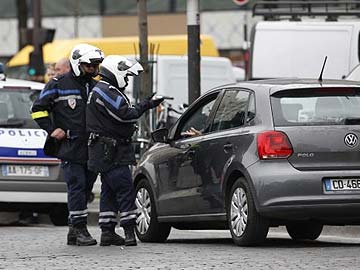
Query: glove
<point x="150" y="97"/>
<point x="155" y="102"/>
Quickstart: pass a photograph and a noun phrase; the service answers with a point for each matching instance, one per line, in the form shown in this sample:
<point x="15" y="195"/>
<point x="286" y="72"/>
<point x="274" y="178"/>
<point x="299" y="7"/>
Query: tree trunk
<point x="22" y="17"/>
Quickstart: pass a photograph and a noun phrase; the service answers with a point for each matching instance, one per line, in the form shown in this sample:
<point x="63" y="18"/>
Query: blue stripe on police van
<point x="60" y="92"/>
<point x="14" y="152"/>
<point x="114" y="103"/>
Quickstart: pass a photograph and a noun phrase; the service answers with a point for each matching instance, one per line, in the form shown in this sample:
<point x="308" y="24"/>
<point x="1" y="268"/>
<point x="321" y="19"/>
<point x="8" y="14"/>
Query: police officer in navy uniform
<point x="110" y="120"/>
<point x="61" y="110"/>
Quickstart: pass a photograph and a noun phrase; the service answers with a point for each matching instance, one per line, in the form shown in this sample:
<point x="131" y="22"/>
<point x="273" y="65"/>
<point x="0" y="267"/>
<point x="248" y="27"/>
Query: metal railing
<point x="275" y="10"/>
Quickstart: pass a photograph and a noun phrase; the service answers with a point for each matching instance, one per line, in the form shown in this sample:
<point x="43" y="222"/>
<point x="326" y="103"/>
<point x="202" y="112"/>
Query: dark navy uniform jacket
<point x="62" y="104"/>
<point x="109" y="113"/>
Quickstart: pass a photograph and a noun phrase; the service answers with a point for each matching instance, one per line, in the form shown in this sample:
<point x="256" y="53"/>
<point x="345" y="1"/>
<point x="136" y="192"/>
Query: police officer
<point x="60" y="110"/>
<point x="111" y="123"/>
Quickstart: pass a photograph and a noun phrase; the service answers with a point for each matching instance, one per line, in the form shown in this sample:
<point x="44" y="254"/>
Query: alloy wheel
<point x="239" y="211"/>
<point x="143" y="204"/>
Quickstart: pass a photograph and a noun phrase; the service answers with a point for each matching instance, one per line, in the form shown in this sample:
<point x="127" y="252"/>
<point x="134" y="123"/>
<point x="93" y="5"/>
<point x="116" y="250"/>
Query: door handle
<point x="190" y="153"/>
<point x="185" y="146"/>
<point x="228" y="147"/>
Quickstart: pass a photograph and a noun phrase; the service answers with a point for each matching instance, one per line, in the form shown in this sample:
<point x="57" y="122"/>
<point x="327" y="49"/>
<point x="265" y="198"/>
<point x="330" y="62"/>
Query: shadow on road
<point x="271" y="242"/>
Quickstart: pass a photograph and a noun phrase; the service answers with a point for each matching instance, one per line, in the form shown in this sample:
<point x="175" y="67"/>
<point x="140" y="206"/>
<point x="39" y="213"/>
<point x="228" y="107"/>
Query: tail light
<point x="273" y="144"/>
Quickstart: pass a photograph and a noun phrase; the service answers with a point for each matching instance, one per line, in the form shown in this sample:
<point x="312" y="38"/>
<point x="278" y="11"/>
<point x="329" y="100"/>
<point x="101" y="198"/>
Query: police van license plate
<point x="25" y="170"/>
<point x="342" y="184"/>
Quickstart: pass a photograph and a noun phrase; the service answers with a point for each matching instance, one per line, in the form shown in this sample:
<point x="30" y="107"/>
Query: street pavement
<point x="42" y="246"/>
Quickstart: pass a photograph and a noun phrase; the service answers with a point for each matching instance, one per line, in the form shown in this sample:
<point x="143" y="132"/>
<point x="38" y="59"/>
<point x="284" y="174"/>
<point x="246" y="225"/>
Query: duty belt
<point x="96" y="136"/>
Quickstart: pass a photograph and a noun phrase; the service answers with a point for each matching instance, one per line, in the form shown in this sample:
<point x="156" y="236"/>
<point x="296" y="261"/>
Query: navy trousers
<point x="117" y="195"/>
<point x="80" y="182"/>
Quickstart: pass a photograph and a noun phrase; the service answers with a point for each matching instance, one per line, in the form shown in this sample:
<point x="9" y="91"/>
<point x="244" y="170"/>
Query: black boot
<point x="83" y="237"/>
<point x="110" y="237"/>
<point x="71" y="236"/>
<point x="130" y="239"/>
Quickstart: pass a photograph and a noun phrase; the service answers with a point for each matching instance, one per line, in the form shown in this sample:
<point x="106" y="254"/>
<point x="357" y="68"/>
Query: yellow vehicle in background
<point x="158" y="45"/>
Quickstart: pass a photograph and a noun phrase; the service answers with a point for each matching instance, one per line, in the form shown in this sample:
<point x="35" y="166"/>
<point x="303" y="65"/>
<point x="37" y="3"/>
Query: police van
<point x="29" y="180"/>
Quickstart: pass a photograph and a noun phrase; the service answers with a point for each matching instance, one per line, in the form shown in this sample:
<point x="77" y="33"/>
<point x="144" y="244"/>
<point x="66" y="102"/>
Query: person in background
<point x="62" y="66"/>
<point x="50" y="72"/>
<point x="110" y="120"/>
<point x="60" y="109"/>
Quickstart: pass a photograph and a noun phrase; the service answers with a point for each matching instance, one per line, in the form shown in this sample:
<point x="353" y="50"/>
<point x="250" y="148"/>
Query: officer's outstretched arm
<point x="118" y="106"/>
<point x="135" y="112"/>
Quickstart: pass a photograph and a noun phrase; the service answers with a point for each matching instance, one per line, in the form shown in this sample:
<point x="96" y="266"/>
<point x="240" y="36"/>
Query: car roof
<point x="21" y="83"/>
<point x="275" y="85"/>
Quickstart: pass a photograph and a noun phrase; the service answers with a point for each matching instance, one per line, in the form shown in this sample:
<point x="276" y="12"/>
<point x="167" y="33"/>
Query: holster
<point x="102" y="153"/>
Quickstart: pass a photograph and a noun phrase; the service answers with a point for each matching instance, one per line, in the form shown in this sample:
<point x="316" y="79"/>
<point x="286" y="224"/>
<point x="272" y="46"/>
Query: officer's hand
<point x="58" y="133"/>
<point x="156" y="101"/>
<point x="152" y="95"/>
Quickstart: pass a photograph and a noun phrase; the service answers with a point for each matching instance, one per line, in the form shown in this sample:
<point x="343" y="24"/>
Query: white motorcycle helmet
<point x="116" y="68"/>
<point x="84" y="53"/>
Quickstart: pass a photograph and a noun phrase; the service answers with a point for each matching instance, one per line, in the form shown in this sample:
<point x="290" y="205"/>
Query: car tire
<point x="59" y="215"/>
<point x="246" y="226"/>
<point x="148" y="229"/>
<point x="304" y="230"/>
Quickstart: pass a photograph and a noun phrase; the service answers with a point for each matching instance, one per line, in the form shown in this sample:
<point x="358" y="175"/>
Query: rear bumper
<point x="33" y="197"/>
<point x="329" y="214"/>
<point x="283" y="192"/>
<point x="33" y="186"/>
<point x="31" y="189"/>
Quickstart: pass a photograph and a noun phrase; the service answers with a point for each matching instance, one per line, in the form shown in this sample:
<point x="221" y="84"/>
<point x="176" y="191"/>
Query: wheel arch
<point x="232" y="175"/>
<point x="138" y="178"/>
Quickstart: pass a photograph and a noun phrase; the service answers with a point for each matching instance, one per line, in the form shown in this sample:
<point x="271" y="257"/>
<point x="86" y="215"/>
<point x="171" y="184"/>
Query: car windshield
<point x="320" y="106"/>
<point x="18" y="72"/>
<point x="15" y="106"/>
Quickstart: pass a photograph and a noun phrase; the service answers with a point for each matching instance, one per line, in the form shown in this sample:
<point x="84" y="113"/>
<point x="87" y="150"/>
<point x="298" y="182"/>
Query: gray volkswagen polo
<point x="254" y="155"/>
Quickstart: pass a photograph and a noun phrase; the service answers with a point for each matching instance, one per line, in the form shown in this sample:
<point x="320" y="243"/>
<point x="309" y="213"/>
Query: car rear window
<point x="317" y="106"/>
<point x="15" y="104"/>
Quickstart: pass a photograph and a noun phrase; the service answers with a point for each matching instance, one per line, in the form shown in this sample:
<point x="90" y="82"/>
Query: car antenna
<point x="322" y="71"/>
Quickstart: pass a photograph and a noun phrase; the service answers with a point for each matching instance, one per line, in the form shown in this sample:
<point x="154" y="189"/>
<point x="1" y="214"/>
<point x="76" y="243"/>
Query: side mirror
<point x="160" y="135"/>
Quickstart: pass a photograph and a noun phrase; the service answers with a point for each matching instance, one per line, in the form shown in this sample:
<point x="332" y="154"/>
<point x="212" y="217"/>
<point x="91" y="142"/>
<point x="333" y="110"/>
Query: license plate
<point x="25" y="170"/>
<point x="342" y="184"/>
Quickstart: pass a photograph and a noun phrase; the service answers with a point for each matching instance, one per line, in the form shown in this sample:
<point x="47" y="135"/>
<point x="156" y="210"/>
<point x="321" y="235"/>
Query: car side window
<point x="232" y="110"/>
<point x="251" y="108"/>
<point x="6" y="106"/>
<point x="199" y="119"/>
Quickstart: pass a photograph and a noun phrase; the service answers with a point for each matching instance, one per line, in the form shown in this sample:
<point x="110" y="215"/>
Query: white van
<point x="298" y="49"/>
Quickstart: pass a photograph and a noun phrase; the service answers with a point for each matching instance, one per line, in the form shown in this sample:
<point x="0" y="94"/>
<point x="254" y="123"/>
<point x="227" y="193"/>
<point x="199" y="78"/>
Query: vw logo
<point x="351" y="140"/>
